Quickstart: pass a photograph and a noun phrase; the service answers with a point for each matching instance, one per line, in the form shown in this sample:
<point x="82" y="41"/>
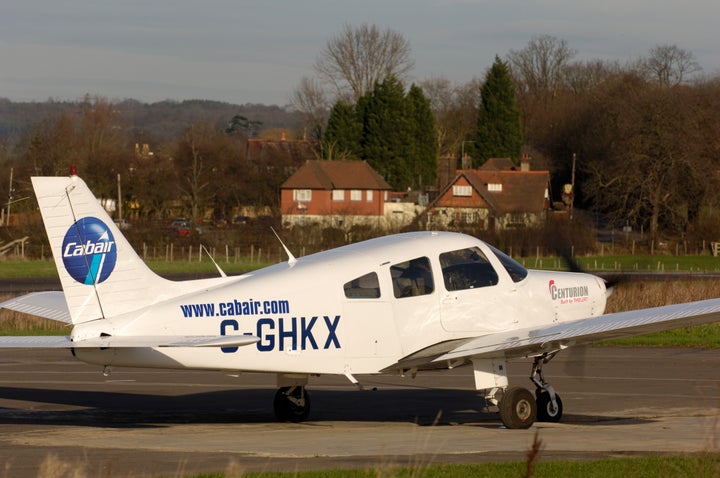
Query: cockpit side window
<point x="364" y="287"/>
<point x="412" y="278"/>
<point x="467" y="269"/>
<point x="516" y="271"/>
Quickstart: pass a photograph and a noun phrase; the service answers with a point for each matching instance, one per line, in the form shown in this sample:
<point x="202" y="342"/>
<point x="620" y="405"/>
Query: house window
<point x="495" y="187"/>
<point x="462" y="191"/>
<point x="338" y="195"/>
<point x="302" y="194"/>
<point x="355" y="195"/>
<point x="369" y="195"/>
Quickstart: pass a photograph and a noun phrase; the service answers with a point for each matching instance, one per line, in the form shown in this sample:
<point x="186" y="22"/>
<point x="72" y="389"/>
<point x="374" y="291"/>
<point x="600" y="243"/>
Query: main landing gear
<point x="292" y="404"/>
<point x="517" y="406"/>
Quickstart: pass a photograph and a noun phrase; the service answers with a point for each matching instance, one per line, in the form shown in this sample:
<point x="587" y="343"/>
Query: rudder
<point x="100" y="273"/>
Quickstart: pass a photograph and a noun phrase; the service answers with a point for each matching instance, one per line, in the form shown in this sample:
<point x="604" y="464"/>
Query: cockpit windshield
<point x="516" y="271"/>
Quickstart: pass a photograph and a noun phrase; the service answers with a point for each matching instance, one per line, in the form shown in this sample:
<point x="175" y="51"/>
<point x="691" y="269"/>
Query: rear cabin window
<point x="364" y="287"/>
<point x="467" y="269"/>
<point x="412" y="278"/>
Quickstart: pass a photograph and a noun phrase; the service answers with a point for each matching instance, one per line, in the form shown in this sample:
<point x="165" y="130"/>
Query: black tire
<point x="517" y="408"/>
<point x="545" y="411"/>
<point x="287" y="410"/>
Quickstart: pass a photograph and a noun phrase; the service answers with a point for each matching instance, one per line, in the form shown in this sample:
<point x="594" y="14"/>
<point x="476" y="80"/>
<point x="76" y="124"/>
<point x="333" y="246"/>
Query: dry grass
<point x="642" y="294"/>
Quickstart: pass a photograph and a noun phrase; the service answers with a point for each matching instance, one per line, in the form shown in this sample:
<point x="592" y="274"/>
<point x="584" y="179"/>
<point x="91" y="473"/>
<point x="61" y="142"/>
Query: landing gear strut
<point x="292" y="404"/>
<point x="549" y="405"/>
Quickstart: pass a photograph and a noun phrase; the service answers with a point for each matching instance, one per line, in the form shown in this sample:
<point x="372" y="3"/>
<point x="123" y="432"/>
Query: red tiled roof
<point x="522" y="191"/>
<point x="330" y="175"/>
<point x="498" y="164"/>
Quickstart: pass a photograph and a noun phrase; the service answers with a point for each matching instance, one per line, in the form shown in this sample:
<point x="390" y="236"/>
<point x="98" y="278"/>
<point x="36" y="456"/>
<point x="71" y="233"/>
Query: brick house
<point x="497" y="195"/>
<point x="336" y="193"/>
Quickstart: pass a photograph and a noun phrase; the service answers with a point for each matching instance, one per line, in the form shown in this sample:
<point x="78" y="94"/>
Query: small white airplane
<point x="397" y="304"/>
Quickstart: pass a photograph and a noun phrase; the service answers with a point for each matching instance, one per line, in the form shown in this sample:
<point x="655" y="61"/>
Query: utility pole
<point x="572" y="181"/>
<point x="10" y="196"/>
<point x="119" y="206"/>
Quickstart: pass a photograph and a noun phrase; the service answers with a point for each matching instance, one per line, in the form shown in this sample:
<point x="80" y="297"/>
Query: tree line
<point x="645" y="133"/>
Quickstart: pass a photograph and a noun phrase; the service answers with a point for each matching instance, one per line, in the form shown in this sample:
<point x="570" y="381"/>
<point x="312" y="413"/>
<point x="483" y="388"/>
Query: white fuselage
<point x="316" y="317"/>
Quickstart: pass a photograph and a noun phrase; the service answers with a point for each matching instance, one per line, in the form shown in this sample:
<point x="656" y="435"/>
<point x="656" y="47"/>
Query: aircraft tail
<point x="101" y="274"/>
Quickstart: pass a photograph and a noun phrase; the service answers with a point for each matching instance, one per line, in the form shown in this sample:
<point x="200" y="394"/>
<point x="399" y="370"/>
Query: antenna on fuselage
<point x="222" y="272"/>
<point x="291" y="259"/>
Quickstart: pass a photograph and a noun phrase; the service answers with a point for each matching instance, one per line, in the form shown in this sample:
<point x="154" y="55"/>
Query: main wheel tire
<point x="517" y="408"/>
<point x="285" y="406"/>
<point x="545" y="410"/>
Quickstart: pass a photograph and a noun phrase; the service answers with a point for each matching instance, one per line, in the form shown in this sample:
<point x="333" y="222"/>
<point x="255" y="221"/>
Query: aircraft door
<point x="475" y="298"/>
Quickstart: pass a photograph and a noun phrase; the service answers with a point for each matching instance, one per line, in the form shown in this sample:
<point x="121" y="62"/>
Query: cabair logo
<point x="89" y="251"/>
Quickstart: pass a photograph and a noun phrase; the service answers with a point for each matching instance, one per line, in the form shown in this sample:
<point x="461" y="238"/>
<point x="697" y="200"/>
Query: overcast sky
<point x="248" y="51"/>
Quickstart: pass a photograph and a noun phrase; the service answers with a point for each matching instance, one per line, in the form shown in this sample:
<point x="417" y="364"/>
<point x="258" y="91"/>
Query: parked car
<point x="182" y="227"/>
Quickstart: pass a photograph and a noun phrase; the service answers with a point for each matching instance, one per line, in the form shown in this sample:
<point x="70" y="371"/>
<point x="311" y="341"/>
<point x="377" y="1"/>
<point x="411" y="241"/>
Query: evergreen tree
<point x="344" y="129"/>
<point x="393" y="132"/>
<point x="387" y="132"/>
<point x="499" y="132"/>
<point x="423" y="149"/>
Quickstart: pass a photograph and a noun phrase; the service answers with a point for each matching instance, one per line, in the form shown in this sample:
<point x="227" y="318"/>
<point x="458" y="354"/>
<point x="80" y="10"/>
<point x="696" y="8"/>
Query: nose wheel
<point x="549" y="404"/>
<point x="547" y="410"/>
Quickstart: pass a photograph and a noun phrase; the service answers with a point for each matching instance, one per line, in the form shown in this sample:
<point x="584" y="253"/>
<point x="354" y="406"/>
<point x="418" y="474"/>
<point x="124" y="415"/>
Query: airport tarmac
<point x="140" y="422"/>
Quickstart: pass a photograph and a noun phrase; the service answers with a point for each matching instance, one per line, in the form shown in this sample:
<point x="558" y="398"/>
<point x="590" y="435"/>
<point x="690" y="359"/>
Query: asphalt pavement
<point x="56" y="411"/>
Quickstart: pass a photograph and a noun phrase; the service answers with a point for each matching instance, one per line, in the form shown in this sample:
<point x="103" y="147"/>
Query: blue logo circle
<point x="89" y="251"/>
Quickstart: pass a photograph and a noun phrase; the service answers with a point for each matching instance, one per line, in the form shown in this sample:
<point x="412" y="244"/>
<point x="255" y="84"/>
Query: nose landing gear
<point x="549" y="404"/>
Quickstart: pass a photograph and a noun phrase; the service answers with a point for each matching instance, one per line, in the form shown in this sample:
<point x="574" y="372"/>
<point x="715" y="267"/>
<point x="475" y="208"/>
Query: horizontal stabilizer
<point x="36" y="342"/>
<point x="167" y="341"/>
<point x="49" y="305"/>
<point x="59" y="342"/>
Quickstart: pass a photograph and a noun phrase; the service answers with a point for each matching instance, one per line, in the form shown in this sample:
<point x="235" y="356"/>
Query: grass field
<point x="705" y="465"/>
<point x="691" y="264"/>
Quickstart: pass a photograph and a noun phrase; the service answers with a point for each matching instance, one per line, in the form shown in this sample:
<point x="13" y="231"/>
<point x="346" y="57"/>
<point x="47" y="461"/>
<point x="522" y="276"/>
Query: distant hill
<point x="161" y="121"/>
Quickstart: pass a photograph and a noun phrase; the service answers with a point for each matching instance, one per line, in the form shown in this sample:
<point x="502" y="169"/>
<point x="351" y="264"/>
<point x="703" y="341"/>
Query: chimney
<point x="525" y="162"/>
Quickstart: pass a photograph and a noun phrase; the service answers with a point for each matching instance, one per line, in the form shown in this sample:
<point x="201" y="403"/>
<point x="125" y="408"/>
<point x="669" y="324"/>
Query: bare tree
<point x="311" y="101"/>
<point x="357" y="58"/>
<point x="583" y="76"/>
<point x="455" y="109"/>
<point x="538" y="74"/>
<point x="538" y="68"/>
<point x="669" y="65"/>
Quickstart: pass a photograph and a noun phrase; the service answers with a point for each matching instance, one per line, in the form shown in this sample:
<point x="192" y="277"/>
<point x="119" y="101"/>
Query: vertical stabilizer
<point x="101" y="274"/>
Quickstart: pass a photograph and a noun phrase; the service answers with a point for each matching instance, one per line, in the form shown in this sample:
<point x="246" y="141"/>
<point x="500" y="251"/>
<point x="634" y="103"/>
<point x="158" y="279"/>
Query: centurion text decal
<point x="568" y="295"/>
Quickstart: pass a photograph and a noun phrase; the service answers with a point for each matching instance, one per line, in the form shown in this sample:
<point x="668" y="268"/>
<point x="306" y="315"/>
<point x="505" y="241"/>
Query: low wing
<point x="529" y="342"/>
<point x="49" y="304"/>
<point x="60" y="342"/>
